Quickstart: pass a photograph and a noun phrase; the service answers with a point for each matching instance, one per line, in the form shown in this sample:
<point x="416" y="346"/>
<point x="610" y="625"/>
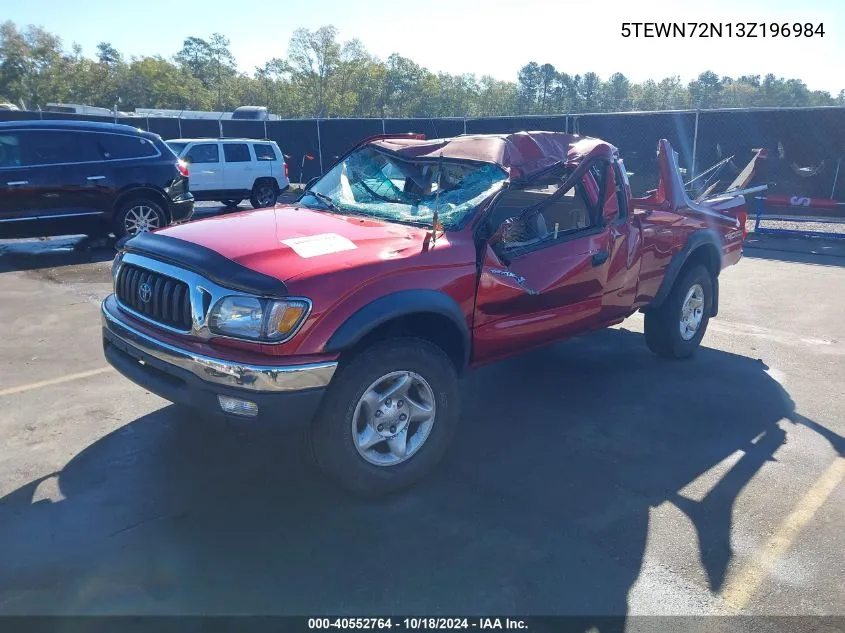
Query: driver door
<point x="545" y="269"/>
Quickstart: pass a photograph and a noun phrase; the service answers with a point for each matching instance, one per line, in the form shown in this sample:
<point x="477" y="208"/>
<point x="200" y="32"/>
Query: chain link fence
<point x="806" y="146"/>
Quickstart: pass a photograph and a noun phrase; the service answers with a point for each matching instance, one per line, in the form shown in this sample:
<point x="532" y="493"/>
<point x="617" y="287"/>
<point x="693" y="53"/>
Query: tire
<point x="331" y="435"/>
<point x="663" y="325"/>
<point x="138" y="208"/>
<point x="230" y="204"/>
<point x="264" y="194"/>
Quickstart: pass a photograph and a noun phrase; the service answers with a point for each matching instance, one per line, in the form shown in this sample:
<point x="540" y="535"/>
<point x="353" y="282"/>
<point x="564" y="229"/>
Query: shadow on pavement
<point x="541" y="506"/>
<point x="56" y="252"/>
<point x="801" y="250"/>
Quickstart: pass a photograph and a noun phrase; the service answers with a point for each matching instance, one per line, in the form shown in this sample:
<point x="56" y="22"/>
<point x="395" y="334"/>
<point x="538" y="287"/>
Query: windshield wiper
<point x="326" y="200"/>
<point x="418" y="223"/>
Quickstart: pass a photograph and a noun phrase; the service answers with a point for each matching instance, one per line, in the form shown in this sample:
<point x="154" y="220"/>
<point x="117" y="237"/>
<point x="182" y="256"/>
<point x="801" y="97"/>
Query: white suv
<point x="232" y="169"/>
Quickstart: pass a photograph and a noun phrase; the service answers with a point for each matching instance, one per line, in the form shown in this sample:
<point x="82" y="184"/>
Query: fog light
<point x="236" y="406"/>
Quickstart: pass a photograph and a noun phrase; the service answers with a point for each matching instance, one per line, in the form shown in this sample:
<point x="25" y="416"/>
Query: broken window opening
<point x="538" y="214"/>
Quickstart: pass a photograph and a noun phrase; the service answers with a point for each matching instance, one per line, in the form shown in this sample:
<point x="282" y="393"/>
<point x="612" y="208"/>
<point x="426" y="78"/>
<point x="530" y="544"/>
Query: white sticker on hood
<point x="322" y="244"/>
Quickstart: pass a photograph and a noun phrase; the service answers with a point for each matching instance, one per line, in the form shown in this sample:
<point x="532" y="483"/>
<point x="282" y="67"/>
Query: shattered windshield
<point x="377" y="184"/>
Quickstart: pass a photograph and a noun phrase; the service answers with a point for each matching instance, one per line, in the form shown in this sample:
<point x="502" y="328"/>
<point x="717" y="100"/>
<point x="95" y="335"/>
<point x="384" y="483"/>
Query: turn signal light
<point x="290" y="317"/>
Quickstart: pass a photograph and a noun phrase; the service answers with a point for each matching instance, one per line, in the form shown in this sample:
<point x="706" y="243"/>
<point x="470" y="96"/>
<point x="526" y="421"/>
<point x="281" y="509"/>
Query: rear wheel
<point x="388" y="417"/>
<point x="264" y="194"/>
<point x="675" y="329"/>
<point x="137" y="216"/>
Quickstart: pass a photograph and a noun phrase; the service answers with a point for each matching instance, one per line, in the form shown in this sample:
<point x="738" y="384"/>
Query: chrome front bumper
<point x="258" y="378"/>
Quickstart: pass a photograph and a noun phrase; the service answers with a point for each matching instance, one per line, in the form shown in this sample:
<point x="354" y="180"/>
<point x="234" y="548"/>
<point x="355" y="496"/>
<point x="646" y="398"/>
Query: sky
<point x="493" y="37"/>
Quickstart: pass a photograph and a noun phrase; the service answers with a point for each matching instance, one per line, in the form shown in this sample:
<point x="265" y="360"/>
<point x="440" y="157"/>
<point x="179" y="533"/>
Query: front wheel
<point x="675" y="329"/>
<point x="388" y="417"/>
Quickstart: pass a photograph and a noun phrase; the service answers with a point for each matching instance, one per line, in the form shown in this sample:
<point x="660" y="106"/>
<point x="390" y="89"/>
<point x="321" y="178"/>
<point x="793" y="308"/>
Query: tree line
<point x="324" y="76"/>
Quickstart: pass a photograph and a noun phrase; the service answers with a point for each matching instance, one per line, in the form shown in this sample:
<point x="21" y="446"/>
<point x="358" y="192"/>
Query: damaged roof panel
<point x="522" y="154"/>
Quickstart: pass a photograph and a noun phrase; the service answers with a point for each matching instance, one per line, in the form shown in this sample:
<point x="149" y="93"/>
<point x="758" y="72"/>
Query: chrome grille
<point x="163" y="299"/>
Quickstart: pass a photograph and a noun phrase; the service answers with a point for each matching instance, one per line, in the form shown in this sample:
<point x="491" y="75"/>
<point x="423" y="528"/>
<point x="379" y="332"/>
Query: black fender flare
<point x="703" y="238"/>
<point x="395" y="305"/>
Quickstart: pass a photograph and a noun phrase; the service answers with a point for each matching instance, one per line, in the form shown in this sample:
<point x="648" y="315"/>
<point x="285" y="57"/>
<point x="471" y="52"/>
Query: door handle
<point x="600" y="258"/>
<point x="16" y="183"/>
<point x="96" y="177"/>
<point x="208" y="172"/>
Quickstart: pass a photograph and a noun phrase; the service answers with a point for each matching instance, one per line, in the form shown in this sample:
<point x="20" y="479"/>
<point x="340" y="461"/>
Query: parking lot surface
<point x="589" y="477"/>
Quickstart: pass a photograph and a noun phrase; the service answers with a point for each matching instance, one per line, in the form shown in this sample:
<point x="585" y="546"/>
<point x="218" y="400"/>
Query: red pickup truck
<point x="354" y="310"/>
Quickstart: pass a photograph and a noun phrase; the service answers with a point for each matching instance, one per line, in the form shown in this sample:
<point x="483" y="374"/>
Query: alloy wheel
<point x="265" y="195"/>
<point x="393" y="418"/>
<point x="692" y="312"/>
<point x="141" y="218"/>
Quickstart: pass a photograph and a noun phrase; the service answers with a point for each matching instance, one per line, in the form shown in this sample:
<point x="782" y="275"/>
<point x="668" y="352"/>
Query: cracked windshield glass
<point x="376" y="184"/>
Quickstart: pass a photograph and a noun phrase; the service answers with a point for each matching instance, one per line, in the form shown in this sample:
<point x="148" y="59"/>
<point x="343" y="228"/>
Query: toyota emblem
<point x="145" y="292"/>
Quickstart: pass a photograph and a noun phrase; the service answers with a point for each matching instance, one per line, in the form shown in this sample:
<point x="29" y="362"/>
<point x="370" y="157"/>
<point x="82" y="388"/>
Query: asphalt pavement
<point x="589" y="477"/>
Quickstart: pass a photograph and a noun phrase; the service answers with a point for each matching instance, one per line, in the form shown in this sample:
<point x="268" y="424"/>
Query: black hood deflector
<point x="206" y="262"/>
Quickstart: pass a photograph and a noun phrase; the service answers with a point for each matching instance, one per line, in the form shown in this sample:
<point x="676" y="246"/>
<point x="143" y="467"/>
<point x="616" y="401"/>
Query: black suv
<point x="79" y="177"/>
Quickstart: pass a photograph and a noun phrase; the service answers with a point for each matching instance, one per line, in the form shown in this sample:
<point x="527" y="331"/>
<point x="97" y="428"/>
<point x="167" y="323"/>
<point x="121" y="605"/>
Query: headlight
<point x="257" y="319"/>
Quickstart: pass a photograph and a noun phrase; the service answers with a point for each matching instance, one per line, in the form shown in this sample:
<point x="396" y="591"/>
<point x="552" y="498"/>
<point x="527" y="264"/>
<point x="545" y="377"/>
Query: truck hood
<point x="289" y="241"/>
